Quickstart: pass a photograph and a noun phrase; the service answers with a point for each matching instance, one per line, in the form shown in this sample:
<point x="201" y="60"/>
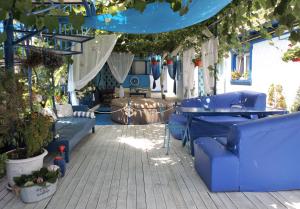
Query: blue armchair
<point x="260" y="155"/>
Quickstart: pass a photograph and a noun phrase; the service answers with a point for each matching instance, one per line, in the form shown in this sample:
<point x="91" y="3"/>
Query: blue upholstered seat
<point x="218" y="125"/>
<point x="71" y="130"/>
<point x="267" y="153"/>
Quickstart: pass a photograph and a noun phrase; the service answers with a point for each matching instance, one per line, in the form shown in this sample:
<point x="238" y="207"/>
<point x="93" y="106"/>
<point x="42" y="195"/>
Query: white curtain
<point x="119" y="65"/>
<point x="188" y="73"/>
<point x="209" y="51"/>
<point x="95" y="54"/>
<point x="71" y="87"/>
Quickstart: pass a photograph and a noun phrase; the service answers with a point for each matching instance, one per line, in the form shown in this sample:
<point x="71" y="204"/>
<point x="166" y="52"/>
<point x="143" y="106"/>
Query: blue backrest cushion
<point x="193" y="102"/>
<point x="266" y="133"/>
<point x="268" y="152"/>
<point x="225" y="100"/>
<point x="253" y="99"/>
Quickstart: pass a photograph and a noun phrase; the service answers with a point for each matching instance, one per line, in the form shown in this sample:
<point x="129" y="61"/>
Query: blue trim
<point x="241" y="82"/>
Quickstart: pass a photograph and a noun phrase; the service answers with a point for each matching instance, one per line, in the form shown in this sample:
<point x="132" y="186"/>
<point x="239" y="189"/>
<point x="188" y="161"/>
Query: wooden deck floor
<point x="126" y="167"/>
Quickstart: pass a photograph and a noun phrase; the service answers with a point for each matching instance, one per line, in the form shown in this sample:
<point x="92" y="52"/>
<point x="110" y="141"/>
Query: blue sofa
<point x="71" y="130"/>
<point x="217" y="125"/>
<point x="259" y="155"/>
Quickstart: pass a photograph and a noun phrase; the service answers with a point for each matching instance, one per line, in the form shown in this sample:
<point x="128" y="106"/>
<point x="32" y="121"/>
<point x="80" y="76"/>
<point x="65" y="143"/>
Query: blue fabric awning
<point x="156" y="18"/>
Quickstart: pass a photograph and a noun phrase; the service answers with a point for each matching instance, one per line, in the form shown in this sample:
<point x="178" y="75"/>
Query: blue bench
<point x="71" y="130"/>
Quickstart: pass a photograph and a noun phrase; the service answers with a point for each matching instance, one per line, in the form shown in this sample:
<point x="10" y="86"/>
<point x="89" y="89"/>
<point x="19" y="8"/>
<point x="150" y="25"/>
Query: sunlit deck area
<point x="126" y="167"/>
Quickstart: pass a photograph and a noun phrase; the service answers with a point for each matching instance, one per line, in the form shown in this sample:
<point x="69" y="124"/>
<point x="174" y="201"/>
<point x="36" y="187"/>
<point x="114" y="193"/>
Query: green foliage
<point x="275" y="97"/>
<point x="37" y="133"/>
<point x="291" y="54"/>
<point x="12" y="107"/>
<point x="39" y="178"/>
<point x="3" y="158"/>
<point x="296" y="105"/>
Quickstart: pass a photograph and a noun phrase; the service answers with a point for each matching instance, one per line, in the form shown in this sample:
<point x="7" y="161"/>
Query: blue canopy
<point x="156" y="18"/>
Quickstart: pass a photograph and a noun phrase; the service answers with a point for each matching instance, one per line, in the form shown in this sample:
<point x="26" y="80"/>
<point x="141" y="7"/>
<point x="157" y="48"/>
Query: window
<point x="241" y="68"/>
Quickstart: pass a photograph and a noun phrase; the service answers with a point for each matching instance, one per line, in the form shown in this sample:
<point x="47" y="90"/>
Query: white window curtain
<point x="120" y="64"/>
<point x="209" y="51"/>
<point x="95" y="54"/>
<point x="188" y="73"/>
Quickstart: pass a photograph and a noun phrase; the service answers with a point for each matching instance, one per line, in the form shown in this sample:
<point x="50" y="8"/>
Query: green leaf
<point x="3" y="14"/>
<point x="28" y="20"/>
<point x="76" y="20"/>
<point x="140" y="5"/>
<point x="51" y="23"/>
<point x="2" y="37"/>
<point x="6" y="4"/>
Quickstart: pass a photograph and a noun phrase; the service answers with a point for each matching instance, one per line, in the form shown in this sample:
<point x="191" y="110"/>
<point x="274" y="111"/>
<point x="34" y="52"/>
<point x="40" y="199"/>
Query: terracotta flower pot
<point x="154" y="62"/>
<point x="198" y="63"/>
<point x="296" y="59"/>
<point x="169" y="62"/>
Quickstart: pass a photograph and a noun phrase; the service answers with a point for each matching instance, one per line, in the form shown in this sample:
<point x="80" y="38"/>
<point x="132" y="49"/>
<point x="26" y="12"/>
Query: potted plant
<point x="292" y="54"/>
<point x="24" y="134"/>
<point x="235" y="75"/>
<point x="197" y="62"/>
<point x="38" y="185"/>
<point x="32" y="133"/>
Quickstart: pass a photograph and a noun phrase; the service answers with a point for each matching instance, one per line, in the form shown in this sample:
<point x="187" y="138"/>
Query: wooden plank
<point x="131" y="185"/>
<point x="140" y="189"/>
<point x="122" y="192"/>
<point x="60" y="199"/>
<point x="104" y="194"/>
<point x="98" y="184"/>
<point x="116" y="177"/>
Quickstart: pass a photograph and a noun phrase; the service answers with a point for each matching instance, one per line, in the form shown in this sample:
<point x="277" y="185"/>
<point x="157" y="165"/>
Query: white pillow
<point x="82" y="114"/>
<point x="64" y="110"/>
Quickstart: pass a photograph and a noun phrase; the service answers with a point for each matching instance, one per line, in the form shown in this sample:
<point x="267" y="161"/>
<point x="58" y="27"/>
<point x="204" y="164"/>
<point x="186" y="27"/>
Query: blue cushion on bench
<point x="73" y="129"/>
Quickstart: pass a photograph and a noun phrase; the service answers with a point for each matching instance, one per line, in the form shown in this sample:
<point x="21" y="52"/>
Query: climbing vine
<point x="234" y="25"/>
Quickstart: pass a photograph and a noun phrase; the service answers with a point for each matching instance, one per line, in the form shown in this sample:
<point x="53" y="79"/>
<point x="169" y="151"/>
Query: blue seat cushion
<point x="218" y="167"/>
<point x="73" y="129"/>
<point x="222" y="120"/>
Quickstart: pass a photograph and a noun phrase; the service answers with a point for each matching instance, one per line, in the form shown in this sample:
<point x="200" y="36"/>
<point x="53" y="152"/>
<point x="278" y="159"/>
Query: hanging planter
<point x="292" y="54"/>
<point x="296" y="59"/>
<point x="51" y="60"/>
<point x="169" y="62"/>
<point x="34" y="58"/>
<point x="197" y="62"/>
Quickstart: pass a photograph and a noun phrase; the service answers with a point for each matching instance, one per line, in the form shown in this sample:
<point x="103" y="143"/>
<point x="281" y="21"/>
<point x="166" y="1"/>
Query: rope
<point x="110" y="112"/>
<point x="127" y="109"/>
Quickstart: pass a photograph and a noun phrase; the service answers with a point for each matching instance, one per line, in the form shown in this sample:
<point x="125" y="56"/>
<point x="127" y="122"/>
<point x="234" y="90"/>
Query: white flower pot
<point x="36" y="193"/>
<point x="26" y="166"/>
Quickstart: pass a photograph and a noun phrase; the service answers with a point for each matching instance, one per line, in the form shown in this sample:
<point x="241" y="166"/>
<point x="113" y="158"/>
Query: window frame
<point x="234" y="64"/>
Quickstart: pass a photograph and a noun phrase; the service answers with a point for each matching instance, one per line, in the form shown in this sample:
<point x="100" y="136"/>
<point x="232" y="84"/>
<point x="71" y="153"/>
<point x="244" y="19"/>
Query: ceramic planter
<point x="26" y="166"/>
<point x="296" y="60"/>
<point x="36" y="193"/>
